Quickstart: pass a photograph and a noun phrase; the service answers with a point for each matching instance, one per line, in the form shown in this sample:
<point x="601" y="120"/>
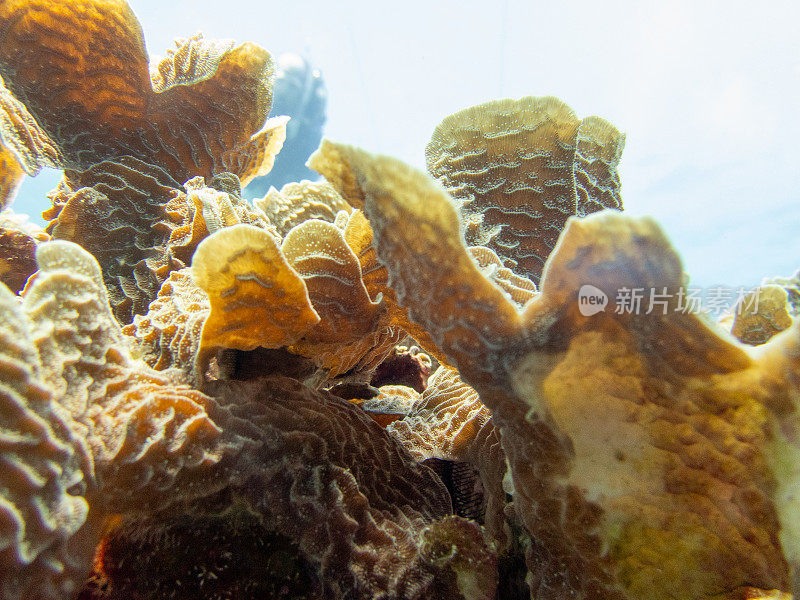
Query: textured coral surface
<point x="383" y="385"/>
<point x="643" y="449"/>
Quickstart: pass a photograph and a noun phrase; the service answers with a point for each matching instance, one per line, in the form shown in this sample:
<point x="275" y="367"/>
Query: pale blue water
<point x="707" y="95"/>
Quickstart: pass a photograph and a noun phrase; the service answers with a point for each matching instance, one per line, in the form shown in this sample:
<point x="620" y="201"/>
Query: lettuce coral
<point x="181" y="366"/>
<point x="643" y="449"/>
<point x="114" y="436"/>
<point x="128" y="141"/>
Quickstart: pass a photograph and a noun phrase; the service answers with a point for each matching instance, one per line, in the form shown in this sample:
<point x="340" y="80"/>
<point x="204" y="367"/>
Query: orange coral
<point x="11" y="176"/>
<point x="200" y="114"/>
<point x="127" y="141"/>
<point x="24" y="139"/>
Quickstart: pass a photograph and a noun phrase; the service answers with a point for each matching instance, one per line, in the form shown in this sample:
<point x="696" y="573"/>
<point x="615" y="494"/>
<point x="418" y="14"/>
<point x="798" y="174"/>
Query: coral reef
<point x="381" y="385"/>
<point x="646" y="452"/>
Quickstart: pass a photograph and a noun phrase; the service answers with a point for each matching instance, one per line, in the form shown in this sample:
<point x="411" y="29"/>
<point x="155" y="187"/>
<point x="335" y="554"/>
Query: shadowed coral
<point x="117" y="213"/>
<point x="643" y="449"/>
<point x="147" y="436"/>
<point x="374" y="521"/>
<point x="520" y="168"/>
<point x="218" y="550"/>
<point x="18" y="241"/>
<point x="406" y="366"/>
<point x="116" y="435"/>
<point x="299" y="202"/>
<point x="448" y="421"/>
<point x="11" y="176"/>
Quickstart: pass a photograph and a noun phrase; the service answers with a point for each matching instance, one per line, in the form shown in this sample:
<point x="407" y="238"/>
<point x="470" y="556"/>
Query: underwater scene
<point x="366" y="318"/>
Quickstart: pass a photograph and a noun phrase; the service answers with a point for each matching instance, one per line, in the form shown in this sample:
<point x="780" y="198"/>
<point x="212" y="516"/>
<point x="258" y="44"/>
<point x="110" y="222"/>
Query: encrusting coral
<point x="207" y="397"/>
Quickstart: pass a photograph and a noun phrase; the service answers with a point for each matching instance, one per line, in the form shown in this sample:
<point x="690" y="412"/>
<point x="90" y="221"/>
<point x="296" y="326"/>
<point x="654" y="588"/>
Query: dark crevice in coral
<point x="464" y="485"/>
<point x="204" y="555"/>
<point x="354" y="391"/>
<point x="237" y="365"/>
<point x="402" y="368"/>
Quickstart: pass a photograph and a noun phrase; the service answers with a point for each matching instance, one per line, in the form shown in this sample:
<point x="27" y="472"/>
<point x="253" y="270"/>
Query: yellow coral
<point x="249" y="282"/>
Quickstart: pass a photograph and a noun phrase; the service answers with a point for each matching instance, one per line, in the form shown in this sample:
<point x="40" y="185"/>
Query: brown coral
<point x="352" y="324"/>
<point x="126" y="142"/>
<point x="522" y="166"/>
<point x="449" y="421"/>
<point x="374" y="521"/>
<point x="639" y="445"/>
<point x="106" y="432"/>
<point x="24" y="140"/>
<point x="200" y="114"/>
<point x="11" y="176"/>
<point x="133" y="201"/>
<point x="249" y="282"/>
<point x="121" y="437"/>
<point x="18" y="241"/>
<point x="169" y="334"/>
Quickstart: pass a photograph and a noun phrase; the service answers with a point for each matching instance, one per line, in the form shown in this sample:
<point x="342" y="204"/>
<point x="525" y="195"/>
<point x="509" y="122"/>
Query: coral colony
<point x="388" y="384"/>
